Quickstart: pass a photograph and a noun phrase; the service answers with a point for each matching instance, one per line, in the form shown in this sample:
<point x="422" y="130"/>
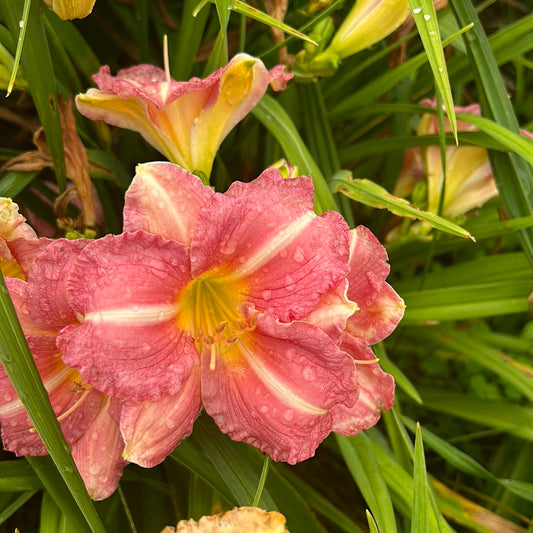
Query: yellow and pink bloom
<point x="239" y="303"/>
<point x="468" y="182"/>
<point x="185" y="121"/>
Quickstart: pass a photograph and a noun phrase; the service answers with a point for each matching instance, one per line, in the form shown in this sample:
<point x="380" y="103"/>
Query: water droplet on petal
<point x="94" y="468"/>
<point x="288" y="415"/>
<point x="299" y="255"/>
<point x="308" y="373"/>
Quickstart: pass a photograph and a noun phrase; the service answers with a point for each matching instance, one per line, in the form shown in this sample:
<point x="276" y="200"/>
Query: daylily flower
<point x="469" y="180"/>
<point x="71" y="9"/>
<point x="185" y="121"/>
<point x="238" y="520"/>
<point x="221" y="282"/>
<point x="239" y="298"/>
<point x="88" y="418"/>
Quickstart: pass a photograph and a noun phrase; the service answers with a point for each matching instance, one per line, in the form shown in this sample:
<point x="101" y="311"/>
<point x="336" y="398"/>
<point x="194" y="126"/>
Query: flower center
<point x="212" y="313"/>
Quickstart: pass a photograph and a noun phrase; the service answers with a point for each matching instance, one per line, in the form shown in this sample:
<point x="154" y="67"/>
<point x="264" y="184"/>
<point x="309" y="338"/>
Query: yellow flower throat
<point x="212" y="312"/>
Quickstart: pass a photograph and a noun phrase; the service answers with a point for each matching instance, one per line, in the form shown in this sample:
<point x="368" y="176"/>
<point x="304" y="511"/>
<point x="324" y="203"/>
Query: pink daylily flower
<point x="185" y="121"/>
<point x="88" y="418"/>
<point x="211" y="291"/>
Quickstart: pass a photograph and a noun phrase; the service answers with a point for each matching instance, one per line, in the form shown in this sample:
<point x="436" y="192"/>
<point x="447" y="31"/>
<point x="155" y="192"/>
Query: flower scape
<point x="245" y="304"/>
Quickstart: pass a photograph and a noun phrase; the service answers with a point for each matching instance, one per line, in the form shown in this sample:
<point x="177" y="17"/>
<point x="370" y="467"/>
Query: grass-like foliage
<point x="381" y="115"/>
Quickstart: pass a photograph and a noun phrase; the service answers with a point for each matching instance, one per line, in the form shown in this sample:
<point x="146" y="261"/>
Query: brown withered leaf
<point x="77" y="164"/>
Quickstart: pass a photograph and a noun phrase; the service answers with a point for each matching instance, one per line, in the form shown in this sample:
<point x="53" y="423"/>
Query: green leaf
<point x="12" y="183"/>
<point x="39" y="71"/>
<point x="371" y="194"/>
<point x="17" y="475"/>
<point x="426" y="21"/>
<point x="505" y="416"/>
<point x="278" y="122"/>
<point x="420" y="519"/>
<point x="359" y="456"/>
<point x="14" y="506"/>
<point x="253" y="13"/>
<point x="513" y="175"/>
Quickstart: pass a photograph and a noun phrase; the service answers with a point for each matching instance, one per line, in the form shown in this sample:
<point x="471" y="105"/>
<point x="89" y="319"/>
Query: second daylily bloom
<point x="236" y="297"/>
<point x="468" y="182"/>
<point x="185" y="121"/>
<point x="88" y="418"/>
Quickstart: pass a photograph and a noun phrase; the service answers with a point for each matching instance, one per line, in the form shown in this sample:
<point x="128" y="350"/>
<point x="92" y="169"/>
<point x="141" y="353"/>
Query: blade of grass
<point x="369" y="193"/>
<point x="39" y="71"/>
<point x="513" y="176"/>
<point x="425" y="18"/>
<point x="420" y="519"/>
<point x="277" y="121"/>
<point x="359" y="457"/>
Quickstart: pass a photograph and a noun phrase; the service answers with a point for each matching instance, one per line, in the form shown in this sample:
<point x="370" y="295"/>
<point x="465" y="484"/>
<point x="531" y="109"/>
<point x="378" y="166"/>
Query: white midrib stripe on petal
<point x="272" y="247"/>
<point x="135" y="315"/>
<point x="273" y="384"/>
<point x="15" y="406"/>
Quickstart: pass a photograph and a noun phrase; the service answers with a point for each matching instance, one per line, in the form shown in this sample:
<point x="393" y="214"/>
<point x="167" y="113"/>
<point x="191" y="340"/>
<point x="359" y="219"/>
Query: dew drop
<point x="299" y="255"/>
<point x="308" y="373"/>
<point x="169" y="423"/>
<point x="427" y="17"/>
<point x="288" y="415"/>
<point x="21" y="24"/>
<point x="264" y="409"/>
<point x="95" y="468"/>
<point x="417" y="10"/>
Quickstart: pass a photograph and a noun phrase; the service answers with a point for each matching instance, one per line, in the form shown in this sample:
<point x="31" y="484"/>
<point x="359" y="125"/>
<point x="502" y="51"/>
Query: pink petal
<point x="333" y="311"/>
<point x="368" y="267"/>
<point x="376" y="392"/>
<point x="125" y="288"/>
<point x="151" y="430"/>
<point x="26" y="251"/>
<point x="47" y="297"/>
<point x="266" y="233"/>
<point x="63" y="384"/>
<point x="97" y="453"/>
<point x="379" y="319"/>
<point x="165" y="200"/>
<point x="275" y="387"/>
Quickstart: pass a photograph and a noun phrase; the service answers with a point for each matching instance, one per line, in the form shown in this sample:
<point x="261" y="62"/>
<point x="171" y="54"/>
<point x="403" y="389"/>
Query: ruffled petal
<point x="165" y="200"/>
<point x="333" y="311"/>
<point x="368" y="267"/>
<point x="71" y="401"/>
<point x="376" y="392"/>
<point x="266" y="233"/>
<point x="151" y="430"/>
<point x="125" y="290"/>
<point x="275" y="386"/>
<point x="47" y="296"/>
<point x="97" y="453"/>
<point x="379" y="319"/>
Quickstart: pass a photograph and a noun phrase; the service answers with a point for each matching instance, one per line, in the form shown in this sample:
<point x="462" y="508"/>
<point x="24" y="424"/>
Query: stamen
<point x="73" y="407"/>
<point x="165" y="58"/>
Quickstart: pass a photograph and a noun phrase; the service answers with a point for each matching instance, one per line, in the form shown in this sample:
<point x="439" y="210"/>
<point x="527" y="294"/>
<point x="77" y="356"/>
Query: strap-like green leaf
<point x="371" y="194"/>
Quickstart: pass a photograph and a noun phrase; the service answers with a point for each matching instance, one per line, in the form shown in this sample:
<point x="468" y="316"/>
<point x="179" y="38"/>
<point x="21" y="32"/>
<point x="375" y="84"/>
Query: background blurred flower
<point x="468" y="182"/>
